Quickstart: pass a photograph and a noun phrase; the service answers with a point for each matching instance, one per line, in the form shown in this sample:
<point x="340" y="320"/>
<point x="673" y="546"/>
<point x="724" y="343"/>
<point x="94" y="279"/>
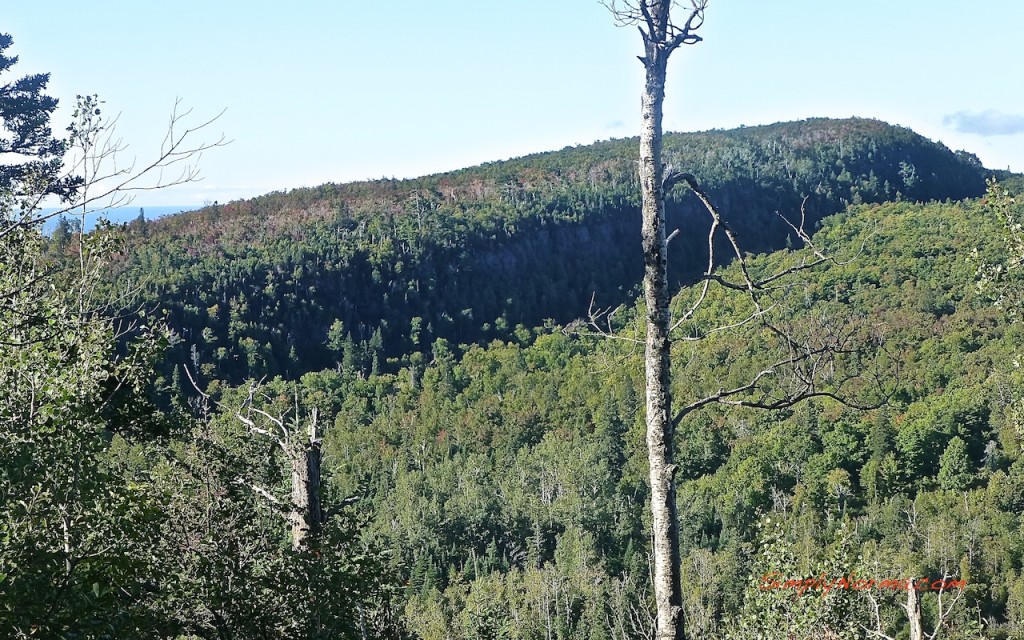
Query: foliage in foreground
<point x="112" y="530"/>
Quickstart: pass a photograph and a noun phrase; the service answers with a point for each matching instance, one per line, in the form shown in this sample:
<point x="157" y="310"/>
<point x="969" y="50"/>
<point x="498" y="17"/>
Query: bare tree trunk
<point x="914" y="611"/>
<point x="306" y="509"/>
<point x="667" y="587"/>
<point x="661" y="37"/>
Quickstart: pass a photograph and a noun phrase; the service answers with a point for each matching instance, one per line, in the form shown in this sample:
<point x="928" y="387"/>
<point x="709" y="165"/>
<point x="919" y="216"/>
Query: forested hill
<point x="357" y="274"/>
<point x="512" y="481"/>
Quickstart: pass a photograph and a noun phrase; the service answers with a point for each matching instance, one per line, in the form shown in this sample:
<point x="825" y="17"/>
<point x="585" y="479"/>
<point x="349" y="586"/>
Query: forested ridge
<point x="365" y="272"/>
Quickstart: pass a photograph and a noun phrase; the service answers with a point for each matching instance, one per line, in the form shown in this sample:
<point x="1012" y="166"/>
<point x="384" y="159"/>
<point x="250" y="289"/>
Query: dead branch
<point x="806" y="363"/>
<point x="944" y="610"/>
<point x="96" y="161"/>
<point x="336" y="509"/>
<point x="600" y="320"/>
<point x="658" y="28"/>
<point x="877" y="631"/>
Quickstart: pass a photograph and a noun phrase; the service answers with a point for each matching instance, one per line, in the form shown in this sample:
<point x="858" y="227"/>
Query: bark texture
<point x="914" y="611"/>
<point x="667" y="586"/>
<point x="661" y="37"/>
<point x="306" y="508"/>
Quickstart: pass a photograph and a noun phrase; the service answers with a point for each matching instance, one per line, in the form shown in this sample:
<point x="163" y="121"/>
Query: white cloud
<point x="985" y="123"/>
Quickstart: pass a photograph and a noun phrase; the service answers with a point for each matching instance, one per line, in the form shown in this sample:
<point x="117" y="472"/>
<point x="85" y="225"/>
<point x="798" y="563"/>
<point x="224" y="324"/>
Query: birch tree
<point x="661" y="36"/>
<point x="800" y="361"/>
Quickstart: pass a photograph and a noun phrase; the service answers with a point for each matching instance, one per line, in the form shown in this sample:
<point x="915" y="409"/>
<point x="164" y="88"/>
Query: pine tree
<point x="336" y="338"/>
<point x="25" y="112"/>
<point x="349" y="357"/>
<point x="375" y="350"/>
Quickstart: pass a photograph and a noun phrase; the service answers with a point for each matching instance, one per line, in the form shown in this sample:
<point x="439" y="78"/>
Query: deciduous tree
<point x="75" y="561"/>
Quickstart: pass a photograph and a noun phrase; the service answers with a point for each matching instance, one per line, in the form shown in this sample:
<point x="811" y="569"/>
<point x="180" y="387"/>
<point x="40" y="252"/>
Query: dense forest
<point x="362" y="273"/>
<point x="370" y="410"/>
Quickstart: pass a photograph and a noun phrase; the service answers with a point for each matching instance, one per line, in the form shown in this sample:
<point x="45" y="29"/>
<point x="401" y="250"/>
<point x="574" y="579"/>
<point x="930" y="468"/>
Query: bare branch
<point x="877" y="631"/>
<point x="686" y="34"/>
<point x="807" y="366"/>
<point x="754" y="315"/>
<point x="595" y="317"/>
<point x="625" y="14"/>
<point x="717" y="222"/>
<point x="193" y="382"/>
<point x="115" y="186"/>
<point x="336" y="509"/>
<point x="944" y="611"/>
<point x="654" y="22"/>
<point x="276" y="505"/>
<point x="282" y="440"/>
<point x="259" y="490"/>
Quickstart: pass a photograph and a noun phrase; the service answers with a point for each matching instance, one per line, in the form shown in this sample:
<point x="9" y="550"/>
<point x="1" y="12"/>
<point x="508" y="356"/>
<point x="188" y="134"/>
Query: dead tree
<point x="951" y="588"/>
<point x="661" y="37"/>
<point x="914" y="611"/>
<point x="912" y="608"/>
<point x="306" y="514"/>
<point x="301" y="448"/>
<point x="305" y="510"/>
<point x="802" y="360"/>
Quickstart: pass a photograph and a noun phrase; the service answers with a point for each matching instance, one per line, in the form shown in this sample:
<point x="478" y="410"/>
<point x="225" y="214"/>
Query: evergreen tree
<point x="375" y="350"/>
<point x="882" y="437"/>
<point x="336" y="338"/>
<point x="349" y="355"/>
<point x="62" y="235"/>
<point x="25" y="112"/>
<point x="955" y="469"/>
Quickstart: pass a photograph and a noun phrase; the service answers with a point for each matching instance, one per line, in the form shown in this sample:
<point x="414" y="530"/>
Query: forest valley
<point x="415" y="408"/>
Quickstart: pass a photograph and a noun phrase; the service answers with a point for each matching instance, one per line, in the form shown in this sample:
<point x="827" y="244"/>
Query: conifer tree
<point x="955" y="466"/>
<point x="25" y="112"/>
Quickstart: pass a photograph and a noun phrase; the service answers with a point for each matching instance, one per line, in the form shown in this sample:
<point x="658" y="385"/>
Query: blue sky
<point x="319" y="91"/>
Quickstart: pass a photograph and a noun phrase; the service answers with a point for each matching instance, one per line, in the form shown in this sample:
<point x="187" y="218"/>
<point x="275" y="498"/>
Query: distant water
<point x="118" y="215"/>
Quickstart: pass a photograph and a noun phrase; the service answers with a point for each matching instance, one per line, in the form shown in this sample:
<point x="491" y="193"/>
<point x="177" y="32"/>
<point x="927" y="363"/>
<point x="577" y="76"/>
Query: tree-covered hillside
<point x="510" y="482"/>
<point x="357" y="274"/>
